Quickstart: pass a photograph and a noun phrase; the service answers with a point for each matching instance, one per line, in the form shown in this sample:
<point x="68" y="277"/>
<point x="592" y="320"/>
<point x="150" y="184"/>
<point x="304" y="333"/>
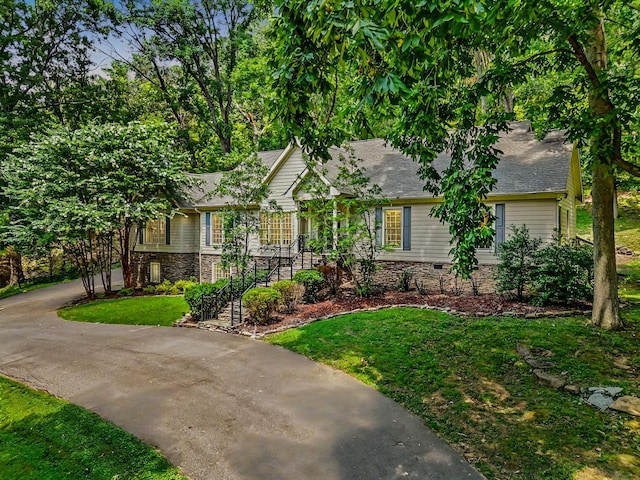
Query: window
<point x="392" y="227"/>
<point x="217" y="232"/>
<point x="154" y="272"/>
<point x="218" y="272"/>
<point x="276" y="228"/>
<point x="156" y="231"/>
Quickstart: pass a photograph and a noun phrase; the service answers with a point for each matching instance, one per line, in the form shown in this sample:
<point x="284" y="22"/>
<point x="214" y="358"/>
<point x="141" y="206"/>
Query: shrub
<point x="557" y="272"/>
<point x="164" y="287"/>
<point x="181" y="285"/>
<point x="404" y="282"/>
<point x="564" y="272"/>
<point x="193" y="296"/>
<point x="125" y="292"/>
<point x="149" y="289"/>
<point x="313" y="281"/>
<point x="292" y="293"/>
<point x="261" y="302"/>
<point x="518" y="257"/>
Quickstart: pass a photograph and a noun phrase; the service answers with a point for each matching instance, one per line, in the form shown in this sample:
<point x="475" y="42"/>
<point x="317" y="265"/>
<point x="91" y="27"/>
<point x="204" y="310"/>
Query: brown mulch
<point x="468" y="305"/>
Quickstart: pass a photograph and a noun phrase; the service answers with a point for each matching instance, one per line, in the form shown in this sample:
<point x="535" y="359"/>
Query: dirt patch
<point x="464" y="305"/>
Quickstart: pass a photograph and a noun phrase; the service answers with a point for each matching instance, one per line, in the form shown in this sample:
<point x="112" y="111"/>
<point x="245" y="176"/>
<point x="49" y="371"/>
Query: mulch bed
<point x="465" y="305"/>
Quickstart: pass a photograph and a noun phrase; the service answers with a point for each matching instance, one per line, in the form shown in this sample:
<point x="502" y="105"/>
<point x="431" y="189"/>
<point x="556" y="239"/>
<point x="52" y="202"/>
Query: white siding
<point x="183" y="236"/>
<point x="284" y="180"/>
<point x="254" y="243"/>
<point x="430" y="238"/>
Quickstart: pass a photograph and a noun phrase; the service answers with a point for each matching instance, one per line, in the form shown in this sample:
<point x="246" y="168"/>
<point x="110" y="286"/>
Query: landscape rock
<point x="573" y="389"/>
<point x="548" y="379"/>
<point x="610" y="391"/>
<point x="600" y="400"/>
<point x="621" y="363"/>
<point x="627" y="404"/>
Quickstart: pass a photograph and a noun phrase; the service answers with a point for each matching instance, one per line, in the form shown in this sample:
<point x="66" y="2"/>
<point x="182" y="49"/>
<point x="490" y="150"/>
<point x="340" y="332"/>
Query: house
<point x="538" y="185"/>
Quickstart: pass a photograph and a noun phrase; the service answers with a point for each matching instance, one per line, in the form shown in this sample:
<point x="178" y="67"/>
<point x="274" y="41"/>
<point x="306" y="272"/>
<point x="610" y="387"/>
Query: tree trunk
<point x="605" y="292"/>
<point x="125" y="255"/>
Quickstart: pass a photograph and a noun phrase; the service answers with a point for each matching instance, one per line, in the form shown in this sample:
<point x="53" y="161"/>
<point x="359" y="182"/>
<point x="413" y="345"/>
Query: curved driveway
<point x="219" y="406"/>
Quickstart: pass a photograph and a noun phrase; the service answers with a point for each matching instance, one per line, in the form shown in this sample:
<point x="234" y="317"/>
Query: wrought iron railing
<point x="231" y="293"/>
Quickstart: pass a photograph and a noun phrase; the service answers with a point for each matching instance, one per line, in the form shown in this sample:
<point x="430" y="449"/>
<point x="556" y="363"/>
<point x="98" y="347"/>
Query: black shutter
<point x="406" y="228"/>
<point x="500" y="220"/>
<point x="167" y="231"/>
<point x="208" y="228"/>
<point x="378" y="226"/>
<point x="141" y="233"/>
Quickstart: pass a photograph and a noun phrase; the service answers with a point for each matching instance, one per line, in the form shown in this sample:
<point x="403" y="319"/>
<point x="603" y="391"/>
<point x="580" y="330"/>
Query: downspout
<point x="199" y="245"/>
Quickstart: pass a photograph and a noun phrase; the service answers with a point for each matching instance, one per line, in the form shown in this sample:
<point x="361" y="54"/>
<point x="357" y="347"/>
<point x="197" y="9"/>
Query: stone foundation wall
<point x="173" y="266"/>
<point x="433" y="277"/>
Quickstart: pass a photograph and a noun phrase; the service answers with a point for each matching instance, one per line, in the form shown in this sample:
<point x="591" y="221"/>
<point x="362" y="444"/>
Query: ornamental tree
<point x="86" y="190"/>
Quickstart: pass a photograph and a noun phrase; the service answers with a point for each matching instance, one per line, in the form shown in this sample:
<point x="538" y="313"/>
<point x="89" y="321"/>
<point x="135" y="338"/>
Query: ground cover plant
<point x="44" y="438"/>
<point x="153" y="310"/>
<point x="464" y="378"/>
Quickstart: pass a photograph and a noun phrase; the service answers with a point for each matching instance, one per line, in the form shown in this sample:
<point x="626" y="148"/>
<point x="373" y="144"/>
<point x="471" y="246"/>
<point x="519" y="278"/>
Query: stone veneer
<point x="429" y="276"/>
<point x="176" y="266"/>
<point x="173" y="266"/>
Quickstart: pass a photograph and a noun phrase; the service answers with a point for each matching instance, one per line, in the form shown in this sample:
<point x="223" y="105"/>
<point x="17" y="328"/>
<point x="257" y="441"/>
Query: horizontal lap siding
<point x="430" y="238"/>
<point x="282" y="182"/>
<point x="184" y="237"/>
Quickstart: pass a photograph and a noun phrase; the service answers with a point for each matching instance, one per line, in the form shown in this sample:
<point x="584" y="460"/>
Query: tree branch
<point x="627" y="166"/>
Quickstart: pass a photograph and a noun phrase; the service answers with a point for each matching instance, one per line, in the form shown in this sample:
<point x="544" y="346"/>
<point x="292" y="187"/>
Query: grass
<point x="156" y="310"/>
<point x="44" y="438"/>
<point x="627" y="224"/>
<point x="11" y="290"/>
<point x="464" y="378"/>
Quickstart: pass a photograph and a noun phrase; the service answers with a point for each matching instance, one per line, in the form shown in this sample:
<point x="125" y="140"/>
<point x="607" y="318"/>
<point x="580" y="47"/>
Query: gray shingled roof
<point x="199" y="194"/>
<point x="526" y="165"/>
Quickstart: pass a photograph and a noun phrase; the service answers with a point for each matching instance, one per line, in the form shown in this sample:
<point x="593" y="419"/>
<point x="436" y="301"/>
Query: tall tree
<point x="415" y="61"/>
<point x="204" y="37"/>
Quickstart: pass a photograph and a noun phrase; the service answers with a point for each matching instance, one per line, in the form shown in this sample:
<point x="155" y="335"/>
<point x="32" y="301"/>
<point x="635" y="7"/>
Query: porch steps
<point x="223" y="322"/>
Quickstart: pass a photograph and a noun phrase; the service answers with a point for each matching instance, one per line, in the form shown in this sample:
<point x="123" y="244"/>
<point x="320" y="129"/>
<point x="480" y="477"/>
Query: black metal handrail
<point x="228" y="294"/>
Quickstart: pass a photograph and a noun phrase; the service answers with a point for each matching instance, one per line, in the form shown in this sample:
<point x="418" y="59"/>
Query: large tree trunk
<point x="605" y="293"/>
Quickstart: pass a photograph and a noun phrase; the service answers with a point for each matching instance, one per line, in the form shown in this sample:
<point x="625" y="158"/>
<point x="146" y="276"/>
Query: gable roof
<point x="199" y="195"/>
<point x="526" y="166"/>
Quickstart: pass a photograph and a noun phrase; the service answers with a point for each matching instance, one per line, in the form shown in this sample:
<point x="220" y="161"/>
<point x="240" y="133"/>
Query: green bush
<point x="292" y="293"/>
<point x="518" y="256"/>
<point x="164" y="287"/>
<point x="180" y="286"/>
<point x="149" y="289"/>
<point x="564" y="272"/>
<point x="261" y="303"/>
<point x="313" y="281"/>
<point x="193" y="296"/>
<point x="555" y="272"/>
<point x="125" y="292"/>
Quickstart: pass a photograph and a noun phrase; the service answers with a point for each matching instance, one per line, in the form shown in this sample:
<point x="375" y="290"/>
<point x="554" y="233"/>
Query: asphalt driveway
<point x="219" y="406"/>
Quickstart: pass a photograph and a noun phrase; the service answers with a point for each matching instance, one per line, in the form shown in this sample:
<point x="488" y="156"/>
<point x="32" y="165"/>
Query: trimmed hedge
<point x="313" y="282"/>
<point x="292" y="293"/>
<point x="261" y="303"/>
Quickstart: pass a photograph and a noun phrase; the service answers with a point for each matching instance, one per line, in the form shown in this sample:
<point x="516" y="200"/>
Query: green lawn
<point x="466" y="380"/>
<point x="157" y="310"/>
<point x="627" y="224"/>
<point x="43" y="438"/>
<point x="11" y="290"/>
